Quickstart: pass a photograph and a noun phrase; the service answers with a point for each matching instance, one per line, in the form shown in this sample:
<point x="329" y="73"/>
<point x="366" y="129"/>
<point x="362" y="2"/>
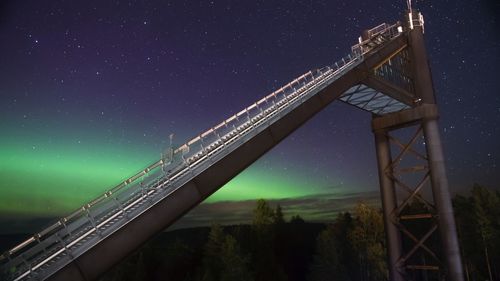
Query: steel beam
<point x="425" y="90"/>
<point x="387" y="88"/>
<point x="442" y="199"/>
<point x="389" y="205"/>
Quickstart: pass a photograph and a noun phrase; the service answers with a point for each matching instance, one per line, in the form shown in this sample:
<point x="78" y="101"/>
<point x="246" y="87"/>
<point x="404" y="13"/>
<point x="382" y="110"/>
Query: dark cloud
<point x="314" y="208"/>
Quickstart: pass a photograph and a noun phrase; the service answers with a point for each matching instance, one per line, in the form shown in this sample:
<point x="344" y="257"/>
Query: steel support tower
<point x="424" y="182"/>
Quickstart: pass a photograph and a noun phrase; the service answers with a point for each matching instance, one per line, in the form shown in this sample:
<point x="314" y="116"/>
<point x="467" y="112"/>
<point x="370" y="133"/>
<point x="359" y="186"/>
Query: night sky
<point x="91" y="90"/>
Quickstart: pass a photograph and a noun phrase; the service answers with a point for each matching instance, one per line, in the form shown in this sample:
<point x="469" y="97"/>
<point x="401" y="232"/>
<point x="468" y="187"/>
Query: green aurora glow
<point x="53" y="179"/>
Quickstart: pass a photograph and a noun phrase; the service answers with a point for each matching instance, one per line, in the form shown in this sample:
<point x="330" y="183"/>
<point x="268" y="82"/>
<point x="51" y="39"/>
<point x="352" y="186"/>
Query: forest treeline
<point x="353" y="247"/>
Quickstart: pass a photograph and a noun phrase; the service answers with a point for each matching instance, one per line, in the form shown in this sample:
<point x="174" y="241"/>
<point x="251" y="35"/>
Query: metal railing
<point x="49" y="250"/>
<point x="376" y="37"/>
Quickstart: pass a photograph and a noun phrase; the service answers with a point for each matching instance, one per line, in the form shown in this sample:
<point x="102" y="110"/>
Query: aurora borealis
<point x="53" y="177"/>
<point x="51" y="183"/>
<point x="90" y="91"/>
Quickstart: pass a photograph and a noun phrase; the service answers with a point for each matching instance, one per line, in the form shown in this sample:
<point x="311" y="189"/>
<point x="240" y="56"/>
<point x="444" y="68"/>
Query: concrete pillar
<point x="389" y="203"/>
<point x="442" y="200"/>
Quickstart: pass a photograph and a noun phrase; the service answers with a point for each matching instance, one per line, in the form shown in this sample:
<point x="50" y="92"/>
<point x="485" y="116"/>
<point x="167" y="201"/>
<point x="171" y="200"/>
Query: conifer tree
<point x="279" y="218"/>
<point x="326" y="264"/>
<point x="212" y="265"/>
<point x="263" y="215"/>
<point x="263" y="256"/>
<point x="234" y="263"/>
<point x="485" y="205"/>
<point x="333" y="259"/>
<point x="367" y="237"/>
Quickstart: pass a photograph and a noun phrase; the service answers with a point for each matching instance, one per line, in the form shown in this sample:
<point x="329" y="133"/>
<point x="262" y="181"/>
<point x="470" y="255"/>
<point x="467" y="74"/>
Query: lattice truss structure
<point x="415" y="215"/>
<point x="398" y="91"/>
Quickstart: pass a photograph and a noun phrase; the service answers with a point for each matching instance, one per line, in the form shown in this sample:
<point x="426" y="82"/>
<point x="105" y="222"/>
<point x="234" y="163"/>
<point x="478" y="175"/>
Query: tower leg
<point x="389" y="204"/>
<point x="442" y="200"/>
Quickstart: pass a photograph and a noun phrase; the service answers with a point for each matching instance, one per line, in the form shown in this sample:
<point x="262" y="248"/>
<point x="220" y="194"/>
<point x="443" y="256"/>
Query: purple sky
<point x="81" y="77"/>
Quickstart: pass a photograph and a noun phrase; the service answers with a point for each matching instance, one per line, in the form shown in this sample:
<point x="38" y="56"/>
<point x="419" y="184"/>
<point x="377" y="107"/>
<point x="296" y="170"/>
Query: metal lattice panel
<point x="396" y="71"/>
<point x="371" y="100"/>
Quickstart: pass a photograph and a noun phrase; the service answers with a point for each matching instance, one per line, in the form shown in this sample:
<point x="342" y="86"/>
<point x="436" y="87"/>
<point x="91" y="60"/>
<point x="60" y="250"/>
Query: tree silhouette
<point x="222" y="259"/>
<point x="478" y="226"/>
<point x="263" y="255"/>
<point x="296" y="219"/>
<point x="334" y="258"/>
<point x="263" y="215"/>
<point x="278" y="216"/>
<point x="327" y="265"/>
<point x="367" y="238"/>
<point x="212" y="264"/>
<point x="485" y="205"/>
<point x="234" y="263"/>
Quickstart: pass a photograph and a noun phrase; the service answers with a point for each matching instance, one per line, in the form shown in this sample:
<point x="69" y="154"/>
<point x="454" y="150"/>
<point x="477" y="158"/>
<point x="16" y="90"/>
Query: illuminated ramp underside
<point x="88" y="242"/>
